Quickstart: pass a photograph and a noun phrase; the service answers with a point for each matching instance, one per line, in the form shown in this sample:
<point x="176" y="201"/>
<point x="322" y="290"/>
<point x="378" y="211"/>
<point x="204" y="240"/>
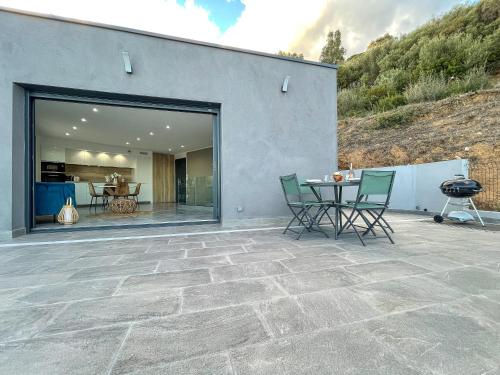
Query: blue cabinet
<point x="51" y="196"/>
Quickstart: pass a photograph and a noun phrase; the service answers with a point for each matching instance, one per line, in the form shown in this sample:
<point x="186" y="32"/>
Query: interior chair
<point x="378" y="183"/>
<point x="302" y="210"/>
<point x="94" y="196"/>
<point x="135" y="194"/>
<point x="121" y="190"/>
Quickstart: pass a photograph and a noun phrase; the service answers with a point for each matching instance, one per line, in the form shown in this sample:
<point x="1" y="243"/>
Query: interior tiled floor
<point x="146" y="213"/>
<point x="241" y="301"/>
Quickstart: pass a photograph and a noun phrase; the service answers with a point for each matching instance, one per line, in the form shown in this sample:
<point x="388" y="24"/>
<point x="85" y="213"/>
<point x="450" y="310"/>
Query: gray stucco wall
<point x="264" y="133"/>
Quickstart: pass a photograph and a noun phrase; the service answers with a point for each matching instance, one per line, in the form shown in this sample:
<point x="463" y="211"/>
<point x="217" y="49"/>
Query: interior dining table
<point x="338" y="186"/>
<point x="110" y="189"/>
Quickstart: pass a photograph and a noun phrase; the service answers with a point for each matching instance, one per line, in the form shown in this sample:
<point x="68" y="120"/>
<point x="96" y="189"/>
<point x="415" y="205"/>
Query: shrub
<point x="352" y="102"/>
<point x="390" y="102"/>
<point x="393" y="119"/>
<point x="475" y="79"/>
<point x="451" y="55"/>
<point x="427" y="88"/>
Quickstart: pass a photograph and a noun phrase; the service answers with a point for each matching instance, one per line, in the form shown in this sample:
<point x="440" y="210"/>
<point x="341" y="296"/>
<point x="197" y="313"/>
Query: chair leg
<point x="90" y="205"/>
<point x="377" y="222"/>
<point x="295" y="217"/>
<point x="383" y="220"/>
<point x="349" y="223"/>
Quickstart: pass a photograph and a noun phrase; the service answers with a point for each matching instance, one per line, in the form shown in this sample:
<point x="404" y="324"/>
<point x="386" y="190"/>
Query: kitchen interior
<point x="158" y="164"/>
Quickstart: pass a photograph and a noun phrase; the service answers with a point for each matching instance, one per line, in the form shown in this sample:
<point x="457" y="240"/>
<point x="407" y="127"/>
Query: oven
<point x="53" y="171"/>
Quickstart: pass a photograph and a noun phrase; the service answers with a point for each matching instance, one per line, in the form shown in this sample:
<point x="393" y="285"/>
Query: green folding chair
<point x="377" y="183"/>
<point x="302" y="210"/>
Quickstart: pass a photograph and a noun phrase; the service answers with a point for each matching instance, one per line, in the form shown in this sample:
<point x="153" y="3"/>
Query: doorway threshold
<point x="69" y="228"/>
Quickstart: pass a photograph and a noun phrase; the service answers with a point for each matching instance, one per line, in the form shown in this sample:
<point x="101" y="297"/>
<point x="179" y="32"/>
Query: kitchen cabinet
<point x="82" y="194"/>
<point x="75" y="156"/>
<point x="53" y="153"/>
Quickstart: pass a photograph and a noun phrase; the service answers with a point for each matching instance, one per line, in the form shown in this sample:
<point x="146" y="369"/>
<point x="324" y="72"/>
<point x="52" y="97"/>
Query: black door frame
<point x="177" y="179"/>
<point x="34" y="92"/>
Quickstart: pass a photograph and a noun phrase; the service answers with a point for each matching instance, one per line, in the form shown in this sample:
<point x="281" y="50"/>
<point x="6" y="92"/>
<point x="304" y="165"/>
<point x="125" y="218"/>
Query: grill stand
<point x="439" y="218"/>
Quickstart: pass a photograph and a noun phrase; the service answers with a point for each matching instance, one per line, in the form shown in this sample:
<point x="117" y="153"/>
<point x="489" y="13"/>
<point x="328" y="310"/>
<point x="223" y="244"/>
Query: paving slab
<point x="33" y="279"/>
<point x="306" y="282"/>
<point x="259" y="256"/>
<point x="314" y="263"/>
<point x="405" y="294"/>
<point x="192" y="263"/>
<point x="247" y="271"/>
<point x="437" y="340"/>
<point x="163" y="281"/>
<point x="216" y="250"/>
<point x="433" y="262"/>
<point x="169" y="247"/>
<point x="331" y="308"/>
<point x="25" y="322"/>
<point x="347" y="350"/>
<point x="145" y="257"/>
<point x="96" y="261"/>
<point x="114" y="271"/>
<point x="204" y="297"/>
<point x="207" y="365"/>
<point x="285" y="317"/>
<point x="309" y="251"/>
<point x="385" y="270"/>
<point x="70" y="291"/>
<point x="472" y="280"/>
<point x="87" y="352"/>
<point x="113" y="310"/>
<point x="161" y="341"/>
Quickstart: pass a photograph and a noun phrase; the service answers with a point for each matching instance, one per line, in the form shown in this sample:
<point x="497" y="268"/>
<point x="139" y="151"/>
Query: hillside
<point x="465" y="126"/>
<point x="449" y="55"/>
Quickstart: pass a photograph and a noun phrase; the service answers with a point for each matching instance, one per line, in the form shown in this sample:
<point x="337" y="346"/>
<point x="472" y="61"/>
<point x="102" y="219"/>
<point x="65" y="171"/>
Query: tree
<point x="333" y="52"/>
<point x="294" y="55"/>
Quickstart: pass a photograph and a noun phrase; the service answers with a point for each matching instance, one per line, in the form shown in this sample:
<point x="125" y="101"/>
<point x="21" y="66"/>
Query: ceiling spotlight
<point x="67" y="134"/>
<point x="167" y="127"/>
<point x="169" y="149"/>
<point x="182" y="146"/>
<point x="138" y="138"/>
<point x="84" y="119"/>
<point x="151" y="133"/>
<point x="95" y="109"/>
<point x="74" y="128"/>
<point x="127" y="143"/>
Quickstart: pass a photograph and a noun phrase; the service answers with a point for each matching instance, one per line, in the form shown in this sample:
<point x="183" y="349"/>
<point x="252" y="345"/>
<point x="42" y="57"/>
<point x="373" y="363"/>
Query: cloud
<point x="363" y="21"/>
<point x="264" y="25"/>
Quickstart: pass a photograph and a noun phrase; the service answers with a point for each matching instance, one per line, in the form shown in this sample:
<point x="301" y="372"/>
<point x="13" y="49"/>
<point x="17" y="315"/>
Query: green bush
<point x="427" y="88"/>
<point x="352" y="102"/>
<point x="451" y="56"/>
<point x="390" y="102"/>
<point x="393" y="119"/>
<point x="474" y="80"/>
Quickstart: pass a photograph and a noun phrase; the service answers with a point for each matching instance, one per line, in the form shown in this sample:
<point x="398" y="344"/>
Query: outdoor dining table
<point x="337" y="191"/>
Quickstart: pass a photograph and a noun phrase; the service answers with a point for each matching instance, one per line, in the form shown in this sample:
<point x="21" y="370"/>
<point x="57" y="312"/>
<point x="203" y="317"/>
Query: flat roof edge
<point x="160" y="36"/>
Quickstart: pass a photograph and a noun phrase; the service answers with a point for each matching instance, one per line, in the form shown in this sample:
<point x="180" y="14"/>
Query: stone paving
<point x="254" y="302"/>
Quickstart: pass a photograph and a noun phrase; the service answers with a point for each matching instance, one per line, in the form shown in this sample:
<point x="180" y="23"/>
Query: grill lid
<point x="460" y="187"/>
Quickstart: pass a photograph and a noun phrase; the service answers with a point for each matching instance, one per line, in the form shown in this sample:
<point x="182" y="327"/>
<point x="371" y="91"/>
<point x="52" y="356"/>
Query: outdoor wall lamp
<point x="126" y="62"/>
<point x="284" y="88"/>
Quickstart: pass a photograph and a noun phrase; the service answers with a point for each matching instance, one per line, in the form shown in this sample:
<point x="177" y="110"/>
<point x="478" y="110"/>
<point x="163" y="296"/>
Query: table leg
<point x="336" y="197"/>
<point x="316" y="194"/>
<point x="340" y="201"/>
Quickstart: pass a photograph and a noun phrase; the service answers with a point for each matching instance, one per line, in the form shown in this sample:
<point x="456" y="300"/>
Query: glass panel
<point x="199" y="191"/>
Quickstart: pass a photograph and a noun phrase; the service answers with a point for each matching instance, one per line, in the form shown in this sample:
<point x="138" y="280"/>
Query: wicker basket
<point x="123" y="206"/>
<point x="68" y="214"/>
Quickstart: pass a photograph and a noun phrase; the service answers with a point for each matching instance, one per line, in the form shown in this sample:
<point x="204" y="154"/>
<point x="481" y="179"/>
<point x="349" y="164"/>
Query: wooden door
<point x="163" y="178"/>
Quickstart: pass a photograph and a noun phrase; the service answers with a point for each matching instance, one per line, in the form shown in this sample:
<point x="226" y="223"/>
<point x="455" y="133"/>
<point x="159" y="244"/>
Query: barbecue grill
<point x="461" y="190"/>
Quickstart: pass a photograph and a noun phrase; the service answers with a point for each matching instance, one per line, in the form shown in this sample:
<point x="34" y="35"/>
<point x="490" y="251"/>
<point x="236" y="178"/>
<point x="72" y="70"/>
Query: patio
<point x="229" y="300"/>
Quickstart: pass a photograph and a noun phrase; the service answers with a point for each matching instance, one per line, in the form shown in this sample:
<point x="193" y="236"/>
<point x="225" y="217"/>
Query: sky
<point x="262" y="25"/>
